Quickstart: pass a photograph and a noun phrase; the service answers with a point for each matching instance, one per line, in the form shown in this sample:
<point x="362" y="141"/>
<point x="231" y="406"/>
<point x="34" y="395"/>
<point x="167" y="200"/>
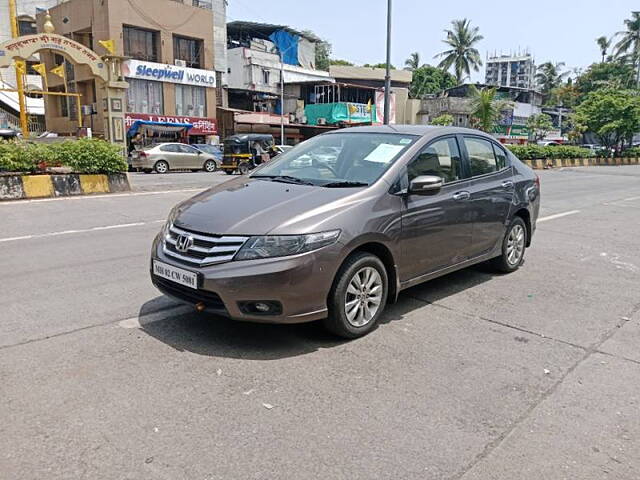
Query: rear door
<point x="171" y="153"/>
<point x="436" y="229"/>
<point x="492" y="189"/>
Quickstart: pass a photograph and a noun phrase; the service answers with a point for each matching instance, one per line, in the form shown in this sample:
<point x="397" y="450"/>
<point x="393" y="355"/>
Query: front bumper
<point x="300" y="283"/>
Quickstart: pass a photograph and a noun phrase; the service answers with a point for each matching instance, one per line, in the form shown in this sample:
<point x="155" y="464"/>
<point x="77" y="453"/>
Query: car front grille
<point x="211" y="300"/>
<point x="205" y="249"/>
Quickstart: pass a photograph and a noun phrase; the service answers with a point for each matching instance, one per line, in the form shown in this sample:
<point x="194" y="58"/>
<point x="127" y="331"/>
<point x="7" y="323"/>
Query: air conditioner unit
<point x="181" y="63"/>
<point x="322" y="121"/>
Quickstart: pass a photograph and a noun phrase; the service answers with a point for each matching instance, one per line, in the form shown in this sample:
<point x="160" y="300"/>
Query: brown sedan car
<point x="335" y="228"/>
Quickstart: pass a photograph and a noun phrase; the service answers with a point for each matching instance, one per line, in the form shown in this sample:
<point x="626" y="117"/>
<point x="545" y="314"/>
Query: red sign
<point x="201" y="126"/>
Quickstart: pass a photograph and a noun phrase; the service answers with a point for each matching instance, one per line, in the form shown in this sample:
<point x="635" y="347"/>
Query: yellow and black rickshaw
<point x="244" y="152"/>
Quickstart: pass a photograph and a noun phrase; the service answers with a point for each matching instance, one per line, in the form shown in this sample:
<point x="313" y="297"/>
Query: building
<point x="261" y="59"/>
<point x="170" y="68"/>
<point x="511" y="71"/>
<point x="457" y="102"/>
<point x="374" y="78"/>
<point x="9" y="105"/>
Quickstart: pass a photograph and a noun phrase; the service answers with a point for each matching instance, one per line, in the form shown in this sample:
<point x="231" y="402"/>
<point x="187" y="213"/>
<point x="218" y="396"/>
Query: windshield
<point x="338" y="159"/>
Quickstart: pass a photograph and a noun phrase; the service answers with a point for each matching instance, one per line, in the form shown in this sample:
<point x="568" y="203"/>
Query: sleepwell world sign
<point x="161" y="72"/>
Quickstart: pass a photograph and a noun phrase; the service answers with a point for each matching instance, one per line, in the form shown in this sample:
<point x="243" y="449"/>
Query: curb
<point x="540" y="164"/>
<point x="20" y="187"/>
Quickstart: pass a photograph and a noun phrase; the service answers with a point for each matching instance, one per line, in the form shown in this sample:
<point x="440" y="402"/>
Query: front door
<point x="492" y="189"/>
<point x="436" y="229"/>
<point x="190" y="157"/>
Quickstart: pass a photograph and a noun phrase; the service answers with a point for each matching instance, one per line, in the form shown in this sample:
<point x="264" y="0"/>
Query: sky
<point x="552" y="30"/>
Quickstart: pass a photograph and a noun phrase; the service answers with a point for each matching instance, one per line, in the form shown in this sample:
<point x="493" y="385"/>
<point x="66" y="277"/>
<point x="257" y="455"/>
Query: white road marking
<point x="110" y="195"/>
<point x="558" y="215"/>
<point x="87" y="230"/>
<point x="141" y="321"/>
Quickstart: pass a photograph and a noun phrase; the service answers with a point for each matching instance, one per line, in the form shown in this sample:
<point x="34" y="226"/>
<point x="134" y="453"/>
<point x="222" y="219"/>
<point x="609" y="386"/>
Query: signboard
<point x="168" y="73"/>
<point x="380" y="107"/>
<point x="201" y="126"/>
<point x="512" y="131"/>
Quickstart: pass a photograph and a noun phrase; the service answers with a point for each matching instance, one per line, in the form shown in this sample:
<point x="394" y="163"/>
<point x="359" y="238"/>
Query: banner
<point x="201" y="126"/>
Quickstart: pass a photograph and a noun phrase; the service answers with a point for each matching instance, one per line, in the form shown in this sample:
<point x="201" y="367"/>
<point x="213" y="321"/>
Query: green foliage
<point x="616" y="75"/>
<point x="21" y="156"/>
<point x="539" y="125"/>
<point x="612" y="115"/>
<point x="445" y="120"/>
<point x="631" y="152"/>
<point x="536" y="152"/>
<point x="379" y="65"/>
<point x="429" y="80"/>
<point x="337" y="61"/>
<point x="604" y="43"/>
<point x="486" y="108"/>
<point x="82" y="156"/>
<point x="629" y="43"/>
<point x="463" y="56"/>
<point x="413" y="62"/>
<point x="550" y="76"/>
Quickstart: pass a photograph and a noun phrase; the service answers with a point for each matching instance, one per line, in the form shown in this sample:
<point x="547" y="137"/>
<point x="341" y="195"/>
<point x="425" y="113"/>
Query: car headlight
<point x="170" y="219"/>
<point x="284" y="245"/>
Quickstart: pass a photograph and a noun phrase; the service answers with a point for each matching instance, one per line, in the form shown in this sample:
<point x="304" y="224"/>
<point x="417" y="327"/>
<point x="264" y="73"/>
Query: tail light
<point x="537" y="182"/>
<point x="142" y="155"/>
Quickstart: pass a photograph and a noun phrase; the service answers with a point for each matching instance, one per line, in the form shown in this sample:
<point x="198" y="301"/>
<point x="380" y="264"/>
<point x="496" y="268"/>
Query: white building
<point x="511" y="71"/>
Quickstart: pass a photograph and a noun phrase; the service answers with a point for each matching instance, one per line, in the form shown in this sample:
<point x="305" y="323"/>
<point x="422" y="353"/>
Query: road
<point x="472" y="376"/>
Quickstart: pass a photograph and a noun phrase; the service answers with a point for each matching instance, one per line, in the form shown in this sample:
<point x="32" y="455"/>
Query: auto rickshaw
<point x="244" y="152"/>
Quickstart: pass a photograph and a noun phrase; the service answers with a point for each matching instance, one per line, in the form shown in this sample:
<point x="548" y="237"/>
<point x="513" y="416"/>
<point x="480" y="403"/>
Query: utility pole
<point x="387" y="78"/>
<point x="13" y="18"/>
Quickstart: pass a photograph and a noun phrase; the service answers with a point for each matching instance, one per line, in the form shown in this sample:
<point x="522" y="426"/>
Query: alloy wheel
<point x="515" y="245"/>
<point x="210" y="166"/>
<point x="364" y="296"/>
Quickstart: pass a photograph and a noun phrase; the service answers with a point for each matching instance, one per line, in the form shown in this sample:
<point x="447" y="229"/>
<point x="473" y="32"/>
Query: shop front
<point x="203" y="130"/>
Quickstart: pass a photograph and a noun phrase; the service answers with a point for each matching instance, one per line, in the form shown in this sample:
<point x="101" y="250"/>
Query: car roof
<point x="420" y="130"/>
<point x="244" y="137"/>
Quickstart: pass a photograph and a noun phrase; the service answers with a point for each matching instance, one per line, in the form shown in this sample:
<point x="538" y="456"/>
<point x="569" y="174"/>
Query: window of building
<point x="266" y="74"/>
<point x="188" y="50"/>
<point x="191" y="101"/>
<point x="145" y="96"/>
<point x="27" y="26"/>
<point x="141" y="44"/>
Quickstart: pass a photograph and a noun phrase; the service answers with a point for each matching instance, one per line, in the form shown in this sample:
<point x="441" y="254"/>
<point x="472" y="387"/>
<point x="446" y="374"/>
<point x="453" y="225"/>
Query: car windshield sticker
<point x="405" y="141"/>
<point x="384" y="153"/>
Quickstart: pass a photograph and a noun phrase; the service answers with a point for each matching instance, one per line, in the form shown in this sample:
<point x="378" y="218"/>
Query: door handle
<point x="508" y="184"/>
<point x="461" y="196"/>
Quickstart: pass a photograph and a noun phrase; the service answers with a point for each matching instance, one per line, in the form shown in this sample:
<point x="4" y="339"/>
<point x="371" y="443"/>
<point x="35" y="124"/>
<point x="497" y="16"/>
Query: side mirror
<point x="425" y="185"/>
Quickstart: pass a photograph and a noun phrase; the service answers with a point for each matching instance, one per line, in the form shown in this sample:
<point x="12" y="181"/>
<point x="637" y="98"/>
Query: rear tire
<point x="513" y="247"/>
<point x="243" y="168"/>
<point x="210" y="166"/>
<point x="147" y="170"/>
<point x="358" y="296"/>
<point x="229" y="172"/>
<point x="161" y="166"/>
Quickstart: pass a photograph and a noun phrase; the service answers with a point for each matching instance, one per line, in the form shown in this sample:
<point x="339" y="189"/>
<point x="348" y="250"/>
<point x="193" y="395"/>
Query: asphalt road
<point x="472" y="376"/>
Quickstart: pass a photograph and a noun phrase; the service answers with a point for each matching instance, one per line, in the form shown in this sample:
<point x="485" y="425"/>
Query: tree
<point x="539" y="125"/>
<point x="629" y="43"/>
<point x="337" y="61"/>
<point x="604" y="43"/>
<point x="549" y="76"/>
<point x="429" y="80"/>
<point x="445" y="120"/>
<point x="566" y="95"/>
<point x="614" y="74"/>
<point x="413" y="62"/>
<point x="612" y="115"/>
<point x="485" y="108"/>
<point x="462" y="56"/>
<point x="379" y="65"/>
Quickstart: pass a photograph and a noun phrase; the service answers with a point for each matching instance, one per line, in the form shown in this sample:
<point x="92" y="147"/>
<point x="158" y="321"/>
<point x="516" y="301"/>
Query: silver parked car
<point x="172" y="156"/>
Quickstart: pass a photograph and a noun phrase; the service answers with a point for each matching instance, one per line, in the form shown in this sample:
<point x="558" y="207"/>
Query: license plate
<point x="175" y="274"/>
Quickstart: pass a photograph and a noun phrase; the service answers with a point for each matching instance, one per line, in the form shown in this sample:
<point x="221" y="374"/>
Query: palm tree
<point x="549" y="76"/>
<point x="462" y="55"/>
<point x="604" y="43"/>
<point x="485" y="108"/>
<point x="413" y="62"/>
<point x="630" y="41"/>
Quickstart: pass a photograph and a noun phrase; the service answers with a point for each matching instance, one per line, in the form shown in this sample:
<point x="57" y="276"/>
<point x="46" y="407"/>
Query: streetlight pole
<point x="387" y="78"/>
<point x="282" y="99"/>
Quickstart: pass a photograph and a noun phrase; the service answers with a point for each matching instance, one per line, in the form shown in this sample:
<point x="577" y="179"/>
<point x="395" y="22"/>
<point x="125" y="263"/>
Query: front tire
<point x="358" y="296"/>
<point x="243" y="168"/>
<point x="513" y="247"/>
<point x="210" y="166"/>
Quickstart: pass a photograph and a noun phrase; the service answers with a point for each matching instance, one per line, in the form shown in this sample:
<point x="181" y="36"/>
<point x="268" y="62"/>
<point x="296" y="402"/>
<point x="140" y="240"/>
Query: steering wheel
<point x="319" y="163"/>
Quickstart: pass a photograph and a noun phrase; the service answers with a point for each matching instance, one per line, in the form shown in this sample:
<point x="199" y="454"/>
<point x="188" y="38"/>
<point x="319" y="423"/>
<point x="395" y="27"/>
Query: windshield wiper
<point x="345" y="184"/>
<point x="284" y="179"/>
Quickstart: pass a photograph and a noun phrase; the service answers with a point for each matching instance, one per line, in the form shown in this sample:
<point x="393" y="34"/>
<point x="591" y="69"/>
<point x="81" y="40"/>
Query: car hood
<point x="247" y="206"/>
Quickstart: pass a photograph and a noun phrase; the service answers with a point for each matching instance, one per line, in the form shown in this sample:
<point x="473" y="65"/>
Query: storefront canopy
<point x="138" y="125"/>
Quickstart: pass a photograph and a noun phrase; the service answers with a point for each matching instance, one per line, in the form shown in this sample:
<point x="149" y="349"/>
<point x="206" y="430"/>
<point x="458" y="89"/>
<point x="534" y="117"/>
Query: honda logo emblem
<point x="184" y="243"/>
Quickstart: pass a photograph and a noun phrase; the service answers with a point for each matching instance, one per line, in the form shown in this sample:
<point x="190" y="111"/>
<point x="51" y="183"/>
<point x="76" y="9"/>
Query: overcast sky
<point x="557" y="30"/>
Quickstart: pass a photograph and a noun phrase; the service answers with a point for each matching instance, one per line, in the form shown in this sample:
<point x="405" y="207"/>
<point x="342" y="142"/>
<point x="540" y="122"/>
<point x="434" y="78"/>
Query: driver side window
<point x="440" y="158"/>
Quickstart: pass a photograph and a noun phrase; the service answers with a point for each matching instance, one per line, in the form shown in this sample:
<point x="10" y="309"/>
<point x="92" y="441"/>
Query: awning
<point x="158" y="126"/>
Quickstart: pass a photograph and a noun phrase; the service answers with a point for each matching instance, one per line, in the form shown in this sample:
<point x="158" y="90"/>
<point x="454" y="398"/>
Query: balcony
<point x="205" y="4"/>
